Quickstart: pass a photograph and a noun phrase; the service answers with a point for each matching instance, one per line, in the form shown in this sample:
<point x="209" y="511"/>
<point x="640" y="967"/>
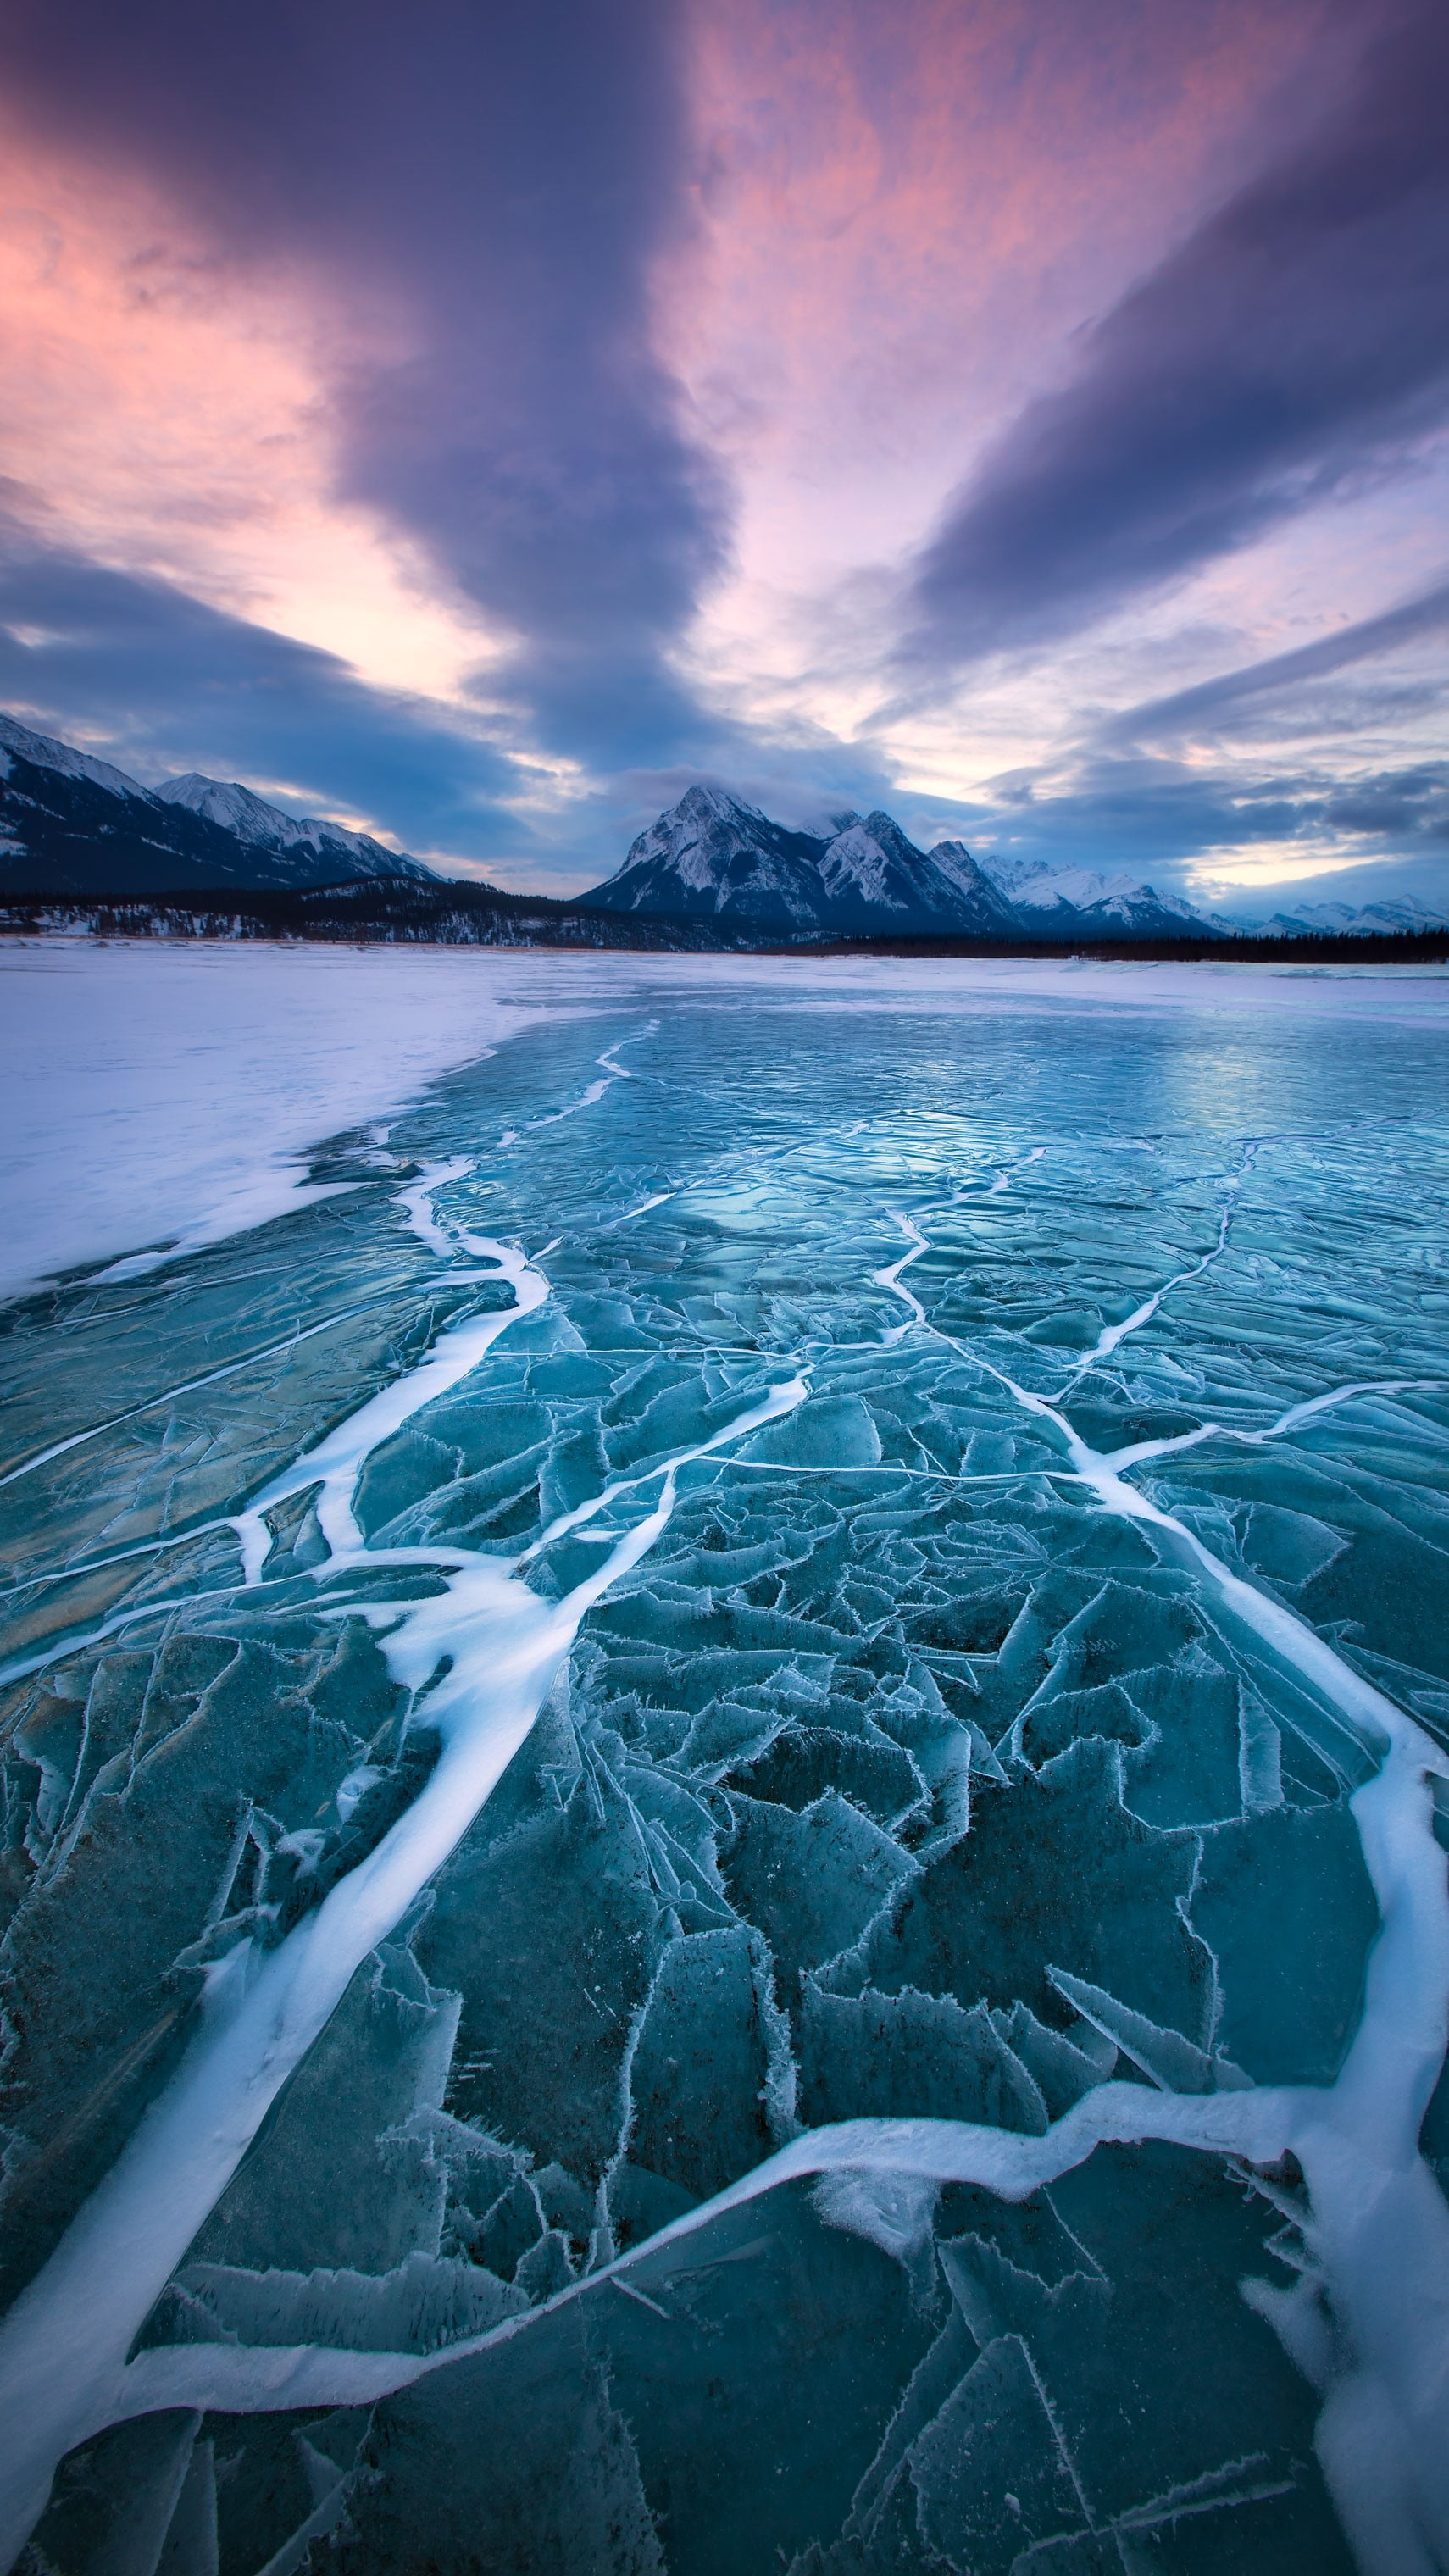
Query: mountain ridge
<point x="263" y="826"/>
<point x="72" y="825"/>
<point x="712" y="856"/>
<point x="1390" y="915"/>
<point x="1092" y="902"/>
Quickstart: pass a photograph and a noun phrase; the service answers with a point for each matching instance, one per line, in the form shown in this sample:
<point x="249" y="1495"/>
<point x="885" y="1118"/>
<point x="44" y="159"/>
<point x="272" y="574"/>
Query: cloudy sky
<point x="476" y="421"/>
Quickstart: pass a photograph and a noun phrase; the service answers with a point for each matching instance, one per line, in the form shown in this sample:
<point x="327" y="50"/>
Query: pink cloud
<point x="903" y="216"/>
<point x="170" y="411"/>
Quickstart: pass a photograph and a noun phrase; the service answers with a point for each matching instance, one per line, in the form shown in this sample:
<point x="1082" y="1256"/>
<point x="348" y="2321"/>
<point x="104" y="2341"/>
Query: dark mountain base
<point x="392" y="912"/>
<point x="387" y="911"/>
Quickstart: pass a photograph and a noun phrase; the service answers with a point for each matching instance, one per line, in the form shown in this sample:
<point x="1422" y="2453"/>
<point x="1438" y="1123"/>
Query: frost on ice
<point x="723" y="1825"/>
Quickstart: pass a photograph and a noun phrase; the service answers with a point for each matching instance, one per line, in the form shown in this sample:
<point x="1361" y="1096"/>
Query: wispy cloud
<point x="1194" y="709"/>
<point x="1208" y="830"/>
<point x="1299" y="337"/>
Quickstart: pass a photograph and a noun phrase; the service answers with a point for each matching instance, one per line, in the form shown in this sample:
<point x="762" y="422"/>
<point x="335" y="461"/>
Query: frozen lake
<point x="721" y="1766"/>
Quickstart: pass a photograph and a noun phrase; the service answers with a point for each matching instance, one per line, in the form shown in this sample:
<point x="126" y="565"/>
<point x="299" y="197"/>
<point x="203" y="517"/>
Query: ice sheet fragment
<point x="965" y="1760"/>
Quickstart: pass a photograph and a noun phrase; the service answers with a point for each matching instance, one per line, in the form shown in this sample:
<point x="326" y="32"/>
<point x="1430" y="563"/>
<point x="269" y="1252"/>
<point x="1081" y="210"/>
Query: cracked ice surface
<point x="722" y="1807"/>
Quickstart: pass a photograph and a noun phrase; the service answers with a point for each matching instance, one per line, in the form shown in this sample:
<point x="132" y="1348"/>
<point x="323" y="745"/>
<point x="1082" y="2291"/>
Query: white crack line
<point x="1141" y="1450"/>
<point x="1379" y="2229"/>
<point x="613" y="1072"/>
<point x="1113" y="1334"/>
<point x="1380" y="2226"/>
<point x="189" y="1386"/>
<point x="63" y="2344"/>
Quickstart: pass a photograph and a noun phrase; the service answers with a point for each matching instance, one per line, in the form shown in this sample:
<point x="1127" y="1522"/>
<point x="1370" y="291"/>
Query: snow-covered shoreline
<point x="159" y="1093"/>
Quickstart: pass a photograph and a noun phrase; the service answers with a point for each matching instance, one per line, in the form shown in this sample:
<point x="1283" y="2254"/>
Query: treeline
<point x="396" y="911"/>
<point x="1314" y="948"/>
<point x="386" y="911"/>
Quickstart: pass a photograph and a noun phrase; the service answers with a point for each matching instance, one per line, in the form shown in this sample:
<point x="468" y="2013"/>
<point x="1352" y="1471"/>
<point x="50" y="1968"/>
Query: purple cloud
<point x="1300" y="335"/>
<point x="497" y="183"/>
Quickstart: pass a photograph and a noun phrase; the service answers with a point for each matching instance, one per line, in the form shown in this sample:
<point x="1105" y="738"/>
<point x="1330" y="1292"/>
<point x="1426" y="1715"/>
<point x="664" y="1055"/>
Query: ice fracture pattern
<point x="724" y="1830"/>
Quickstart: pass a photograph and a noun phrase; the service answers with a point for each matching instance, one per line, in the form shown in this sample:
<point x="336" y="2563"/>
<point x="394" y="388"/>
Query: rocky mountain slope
<point x="1396" y="914"/>
<point x="713" y="871"/>
<point x="72" y="825"/>
<point x="1083" y="903"/>
<point x="713" y="857"/>
<point x="261" y="826"/>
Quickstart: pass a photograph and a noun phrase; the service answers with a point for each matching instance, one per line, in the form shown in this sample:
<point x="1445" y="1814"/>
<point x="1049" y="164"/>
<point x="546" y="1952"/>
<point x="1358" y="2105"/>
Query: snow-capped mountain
<point x="712" y="856"/>
<point x="1389" y="918"/>
<point x="990" y="906"/>
<point x="45" y="753"/>
<point x="1073" y="903"/>
<point x="74" y="825"/>
<point x="872" y="863"/>
<point x="265" y="827"/>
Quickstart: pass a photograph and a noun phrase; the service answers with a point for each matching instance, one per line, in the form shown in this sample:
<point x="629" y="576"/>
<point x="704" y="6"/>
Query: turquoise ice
<point x="721" y="1834"/>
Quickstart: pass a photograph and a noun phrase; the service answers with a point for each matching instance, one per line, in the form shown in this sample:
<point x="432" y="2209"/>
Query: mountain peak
<point x="1089" y="902"/>
<point x="44" y="752"/>
<point x="701" y="800"/>
<point x="261" y="826"/>
<point x="238" y="808"/>
<point x="77" y="826"/>
<point x="712" y="855"/>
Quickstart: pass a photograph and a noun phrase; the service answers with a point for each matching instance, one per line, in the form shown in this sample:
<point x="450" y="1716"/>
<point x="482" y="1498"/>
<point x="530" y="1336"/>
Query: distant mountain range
<point x="712" y="870"/>
<point x="713" y="858"/>
<point x="1081" y="903"/>
<point x="1387" y="919"/>
<point x="71" y="825"/>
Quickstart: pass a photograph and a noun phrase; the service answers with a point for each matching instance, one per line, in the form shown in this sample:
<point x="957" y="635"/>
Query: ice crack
<point x="63" y="2344"/>
<point x="1380" y="2221"/>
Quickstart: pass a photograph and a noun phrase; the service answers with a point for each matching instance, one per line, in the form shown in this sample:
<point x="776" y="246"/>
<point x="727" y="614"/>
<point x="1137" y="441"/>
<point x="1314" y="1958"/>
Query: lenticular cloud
<point x="722" y="1834"/>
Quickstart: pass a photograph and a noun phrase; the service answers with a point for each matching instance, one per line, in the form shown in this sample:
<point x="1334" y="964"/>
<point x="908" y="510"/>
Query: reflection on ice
<point x="784" y="1851"/>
